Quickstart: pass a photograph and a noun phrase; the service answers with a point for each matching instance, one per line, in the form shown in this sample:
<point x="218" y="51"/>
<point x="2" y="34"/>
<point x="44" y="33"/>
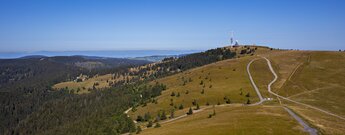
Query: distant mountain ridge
<point x="88" y="62"/>
<point x="106" y="53"/>
<point x="151" y="58"/>
<point x="32" y="57"/>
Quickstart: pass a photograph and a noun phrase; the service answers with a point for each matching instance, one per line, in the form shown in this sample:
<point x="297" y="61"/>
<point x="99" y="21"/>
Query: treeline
<point x="172" y="65"/>
<point x="198" y="59"/>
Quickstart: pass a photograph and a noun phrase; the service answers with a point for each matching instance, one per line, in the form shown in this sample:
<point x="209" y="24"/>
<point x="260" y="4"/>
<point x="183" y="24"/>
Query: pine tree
<point x="171" y="102"/>
<point x="194" y="102"/>
<point x="139" y="118"/>
<point x="178" y="94"/>
<point x="248" y="95"/>
<point x="248" y="101"/>
<point x="190" y="112"/>
<point x="197" y="107"/>
<point x="228" y="101"/>
<point x="207" y="103"/>
<point x="172" y="94"/>
<point x="180" y="107"/>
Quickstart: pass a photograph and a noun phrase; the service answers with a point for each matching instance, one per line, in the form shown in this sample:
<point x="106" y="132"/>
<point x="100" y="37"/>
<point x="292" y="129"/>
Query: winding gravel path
<point x="306" y="127"/>
<point x="309" y="106"/>
<point x="254" y="85"/>
<point x="312" y="131"/>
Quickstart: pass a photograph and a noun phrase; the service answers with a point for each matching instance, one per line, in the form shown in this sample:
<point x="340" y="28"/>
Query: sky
<point x="86" y="25"/>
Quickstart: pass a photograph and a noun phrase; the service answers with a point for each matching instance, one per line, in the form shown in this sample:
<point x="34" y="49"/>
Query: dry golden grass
<point x="315" y="78"/>
<point x="319" y="81"/>
<point x="235" y="120"/>
<point x="228" y="78"/>
<point x="325" y="124"/>
<point x="261" y="76"/>
<point x="88" y="84"/>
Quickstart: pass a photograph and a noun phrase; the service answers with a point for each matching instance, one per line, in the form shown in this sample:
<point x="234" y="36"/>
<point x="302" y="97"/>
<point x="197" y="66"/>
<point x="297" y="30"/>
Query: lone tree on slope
<point x="197" y="107"/>
<point x="248" y="101"/>
<point x="172" y="94"/>
<point x="190" y="112"/>
<point x="248" y="95"/>
<point x="180" y="107"/>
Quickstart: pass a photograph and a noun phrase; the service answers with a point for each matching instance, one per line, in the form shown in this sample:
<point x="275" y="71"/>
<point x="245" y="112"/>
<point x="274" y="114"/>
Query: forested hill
<point x="89" y="62"/>
<point x="36" y="109"/>
<point x="25" y="83"/>
<point x="35" y="70"/>
<point x="173" y="65"/>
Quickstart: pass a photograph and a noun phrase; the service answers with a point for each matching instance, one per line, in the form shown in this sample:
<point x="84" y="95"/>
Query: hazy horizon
<point x="99" y="53"/>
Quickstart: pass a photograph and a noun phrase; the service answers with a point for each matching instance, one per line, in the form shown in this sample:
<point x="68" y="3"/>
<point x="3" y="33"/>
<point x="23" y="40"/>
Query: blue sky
<point x="78" y="25"/>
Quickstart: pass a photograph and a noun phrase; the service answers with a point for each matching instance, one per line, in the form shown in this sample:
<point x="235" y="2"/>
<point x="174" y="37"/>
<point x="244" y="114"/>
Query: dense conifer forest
<point x="25" y="83"/>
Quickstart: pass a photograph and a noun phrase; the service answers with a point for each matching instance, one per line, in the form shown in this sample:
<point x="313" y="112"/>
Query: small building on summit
<point x="236" y="44"/>
<point x="232" y="44"/>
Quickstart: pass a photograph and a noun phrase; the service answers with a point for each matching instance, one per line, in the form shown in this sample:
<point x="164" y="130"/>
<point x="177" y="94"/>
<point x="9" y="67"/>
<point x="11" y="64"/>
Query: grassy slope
<point x="322" y="78"/>
<point x="261" y="75"/>
<point x="224" y="80"/>
<point x="233" y="120"/>
<point x="319" y="82"/>
<point x="298" y="74"/>
<point x="236" y="120"/>
<point x="228" y="78"/>
<point x="87" y="83"/>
